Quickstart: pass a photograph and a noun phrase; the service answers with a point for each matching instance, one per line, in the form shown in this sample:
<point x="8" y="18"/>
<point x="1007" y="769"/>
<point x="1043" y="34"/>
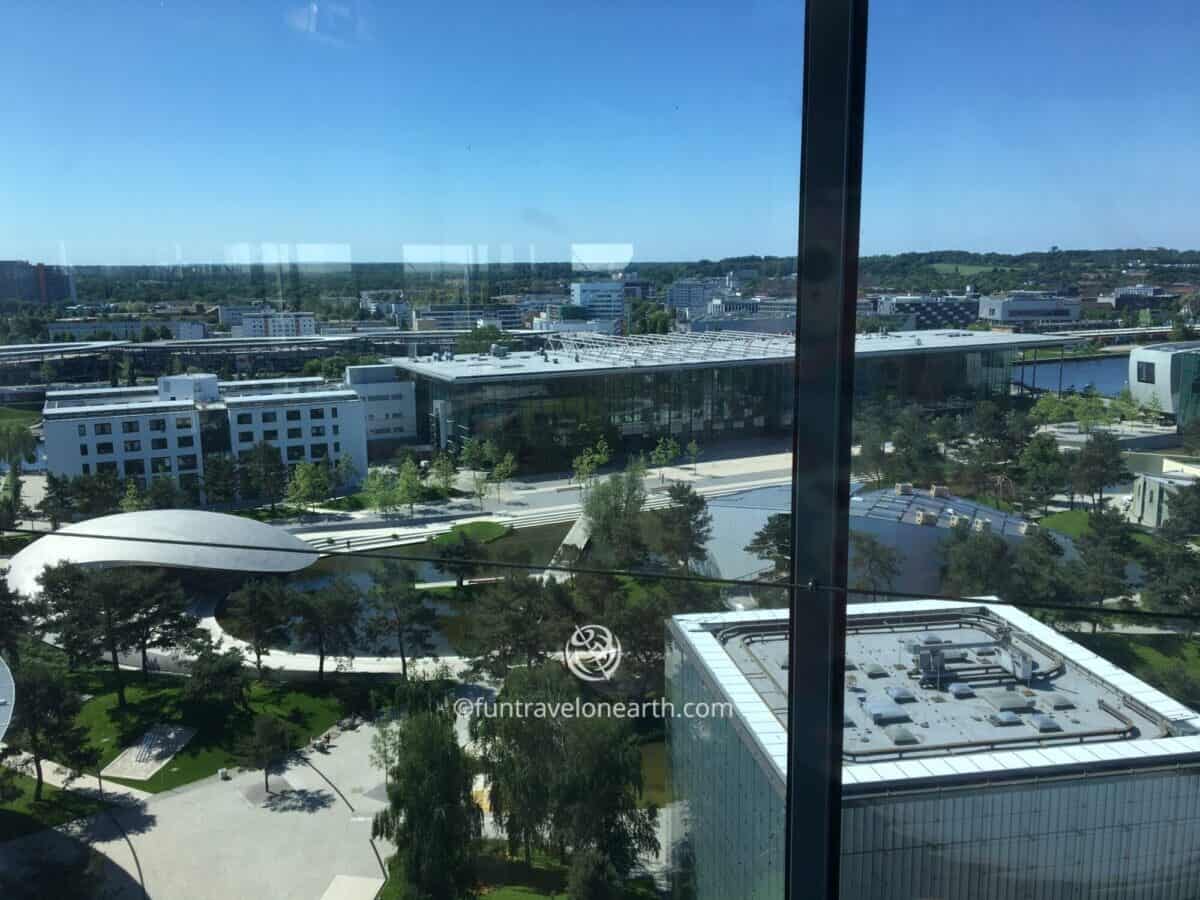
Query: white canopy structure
<point x="173" y="538"/>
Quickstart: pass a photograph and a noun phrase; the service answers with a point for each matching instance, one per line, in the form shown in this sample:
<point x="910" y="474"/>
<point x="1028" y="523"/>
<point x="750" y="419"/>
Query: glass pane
<point x="1020" y="420"/>
<point x="378" y="368"/>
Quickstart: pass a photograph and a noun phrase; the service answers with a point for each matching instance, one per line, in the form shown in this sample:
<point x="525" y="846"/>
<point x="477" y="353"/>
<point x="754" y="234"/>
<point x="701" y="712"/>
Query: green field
<point x="22" y="815"/>
<point x="1170" y="662"/>
<point x="306" y="709"/>
<point x="964" y="268"/>
<point x="14" y="414"/>
<point x="1074" y="522"/>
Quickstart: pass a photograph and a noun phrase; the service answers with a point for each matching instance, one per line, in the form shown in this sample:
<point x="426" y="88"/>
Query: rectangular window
<point x="1145" y="373"/>
<point x="187" y="461"/>
<point x="131" y="426"/>
<point x="336" y="429"/>
<point x="160" y="464"/>
<point x="158" y="443"/>
<point x="135" y="467"/>
<point x="183" y="423"/>
<point x="337" y="447"/>
<point x="105" y="447"/>
<point x="295" y="433"/>
<point x="106" y="467"/>
<point x="271" y="435"/>
<point x="102" y="428"/>
<point x="83" y="449"/>
<point x="295" y="452"/>
<point x="319" y="451"/>
<point x="246" y="437"/>
<point x="87" y="470"/>
<point x="318" y="431"/>
<point x="83" y="431"/>
<point x="293" y="415"/>
<point x="158" y="424"/>
<point x="185" y="440"/>
<point x="133" y="446"/>
<point x="269" y="416"/>
<point x="317" y="413"/>
<point x="333" y="411"/>
<point x="244" y="418"/>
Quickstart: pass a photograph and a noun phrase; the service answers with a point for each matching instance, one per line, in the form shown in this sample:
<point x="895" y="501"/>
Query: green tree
<point x="512" y="623"/>
<point x="1042" y="470"/>
<point x="345" y="474"/>
<point x="445" y="472"/>
<point x="409" y="488"/>
<point x="220" y="479"/>
<point x="98" y="494"/>
<point x="327" y="619"/>
<point x="267" y="743"/>
<point x="397" y="611"/>
<point x="665" y="452"/>
<point x="162" y="618"/>
<point x="17" y="616"/>
<point x="380" y="490"/>
<point x="133" y="500"/>
<point x="1050" y="408"/>
<point x="1191" y="437"/>
<point x="613" y="510"/>
<point x="17" y="444"/>
<point x="163" y="493"/>
<point x="681" y="531"/>
<point x="1183" y="519"/>
<point x="975" y="564"/>
<point x="217" y="680"/>
<point x="1037" y="573"/>
<point x="773" y="543"/>
<point x="1173" y="583"/>
<point x="915" y="455"/>
<point x="693" y="454"/>
<point x="504" y="469"/>
<point x="58" y="501"/>
<point x="262" y="474"/>
<point x="460" y="555"/>
<point x="875" y="565"/>
<point x="1098" y="464"/>
<point x="385" y="748"/>
<point x="310" y="483"/>
<point x="431" y="817"/>
<point x="45" y="721"/>
<point x="1105" y="549"/>
<point x="475" y="457"/>
<point x="259" y="612"/>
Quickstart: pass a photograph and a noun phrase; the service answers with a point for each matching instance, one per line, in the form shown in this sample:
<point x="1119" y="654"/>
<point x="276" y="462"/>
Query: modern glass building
<point x="547" y="405"/>
<point x="985" y="755"/>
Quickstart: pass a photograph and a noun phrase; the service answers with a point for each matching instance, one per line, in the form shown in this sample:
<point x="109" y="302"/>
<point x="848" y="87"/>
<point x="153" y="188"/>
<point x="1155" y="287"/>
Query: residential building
<point x="1137" y="296"/>
<point x="981" y="748"/>
<point x="921" y="313"/>
<point x="36" y="282"/>
<point x="229" y="315"/>
<point x="1029" y="308"/>
<point x="168" y="428"/>
<point x="708" y="387"/>
<point x="692" y="295"/>
<point x="1150" y="503"/>
<point x="276" y="324"/>
<point x="129" y="329"/>
<point x="601" y="299"/>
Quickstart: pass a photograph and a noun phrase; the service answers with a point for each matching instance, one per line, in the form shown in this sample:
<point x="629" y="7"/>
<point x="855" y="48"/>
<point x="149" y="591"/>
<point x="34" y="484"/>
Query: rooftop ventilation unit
<point x="1009" y="701"/>
<point x="926" y="517"/>
<point x="957" y="521"/>
<point x="901" y="694"/>
<point x="1058" y="701"/>
<point x="901" y="736"/>
<point x="884" y="711"/>
<point x="939" y="490"/>
<point x="1044" y="723"/>
<point x="904" y="488"/>
<point x="1027" y="528"/>
<point x="875" y="670"/>
<point x="982" y="525"/>
<point x="960" y="690"/>
<point x="1004" y="718"/>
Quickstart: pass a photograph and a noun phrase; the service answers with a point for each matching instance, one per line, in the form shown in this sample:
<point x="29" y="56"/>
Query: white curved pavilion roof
<point x="8" y="694"/>
<point x="130" y="539"/>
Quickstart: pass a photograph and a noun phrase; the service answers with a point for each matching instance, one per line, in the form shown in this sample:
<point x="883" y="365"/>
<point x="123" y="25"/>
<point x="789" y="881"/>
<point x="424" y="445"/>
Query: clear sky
<point x="139" y="133"/>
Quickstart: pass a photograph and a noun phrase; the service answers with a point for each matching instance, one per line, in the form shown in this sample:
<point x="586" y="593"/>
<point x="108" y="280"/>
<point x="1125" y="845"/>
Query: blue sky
<point x="209" y="132"/>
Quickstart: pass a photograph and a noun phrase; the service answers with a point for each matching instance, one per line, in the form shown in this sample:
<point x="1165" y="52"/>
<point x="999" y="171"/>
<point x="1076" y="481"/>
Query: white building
<point x="167" y="429"/>
<point x="602" y="299"/>
<point x="1156" y="375"/>
<point x="984" y="755"/>
<point x="1027" y="307"/>
<point x="229" y="315"/>
<point x="692" y="295"/>
<point x="277" y="324"/>
<point x="389" y="400"/>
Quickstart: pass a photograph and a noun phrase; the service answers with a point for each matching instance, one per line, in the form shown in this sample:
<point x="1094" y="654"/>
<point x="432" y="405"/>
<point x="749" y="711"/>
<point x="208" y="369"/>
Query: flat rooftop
<point x="577" y="353"/>
<point x="944" y="511"/>
<point x="145" y="398"/>
<point x="947" y="689"/>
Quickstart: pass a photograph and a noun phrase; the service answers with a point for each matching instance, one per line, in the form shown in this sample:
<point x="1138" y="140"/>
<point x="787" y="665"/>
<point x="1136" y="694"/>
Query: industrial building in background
<point x="1029" y="309"/>
<point x="915" y="312"/>
<point x="981" y="749"/>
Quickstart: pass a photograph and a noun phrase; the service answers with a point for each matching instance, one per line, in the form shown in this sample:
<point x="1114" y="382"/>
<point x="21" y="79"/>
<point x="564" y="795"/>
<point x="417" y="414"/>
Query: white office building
<point x="984" y="755"/>
<point x="389" y="400"/>
<point x="602" y="299"/>
<point x="276" y="324"/>
<point x="1029" y="307"/>
<point x="167" y="429"/>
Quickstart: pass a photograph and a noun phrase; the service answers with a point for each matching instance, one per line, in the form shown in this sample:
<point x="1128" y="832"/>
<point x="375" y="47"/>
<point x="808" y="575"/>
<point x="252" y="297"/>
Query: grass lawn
<point x="24" y="816"/>
<point x="306" y="709"/>
<point x="948" y="268"/>
<point x="485" y="532"/>
<point x="1148" y="656"/>
<point x="349" y="503"/>
<point x="13" y="414"/>
<point x="1074" y="522"/>
<point x="991" y="500"/>
<point x="11" y="544"/>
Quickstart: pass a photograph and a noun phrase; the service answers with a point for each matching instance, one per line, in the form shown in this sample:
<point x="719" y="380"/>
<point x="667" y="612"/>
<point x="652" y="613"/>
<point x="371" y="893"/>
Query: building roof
<point x="1093" y="716"/>
<point x="577" y="353"/>
<point x="8" y="696"/>
<point x="944" y="511"/>
<point x="133" y="539"/>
